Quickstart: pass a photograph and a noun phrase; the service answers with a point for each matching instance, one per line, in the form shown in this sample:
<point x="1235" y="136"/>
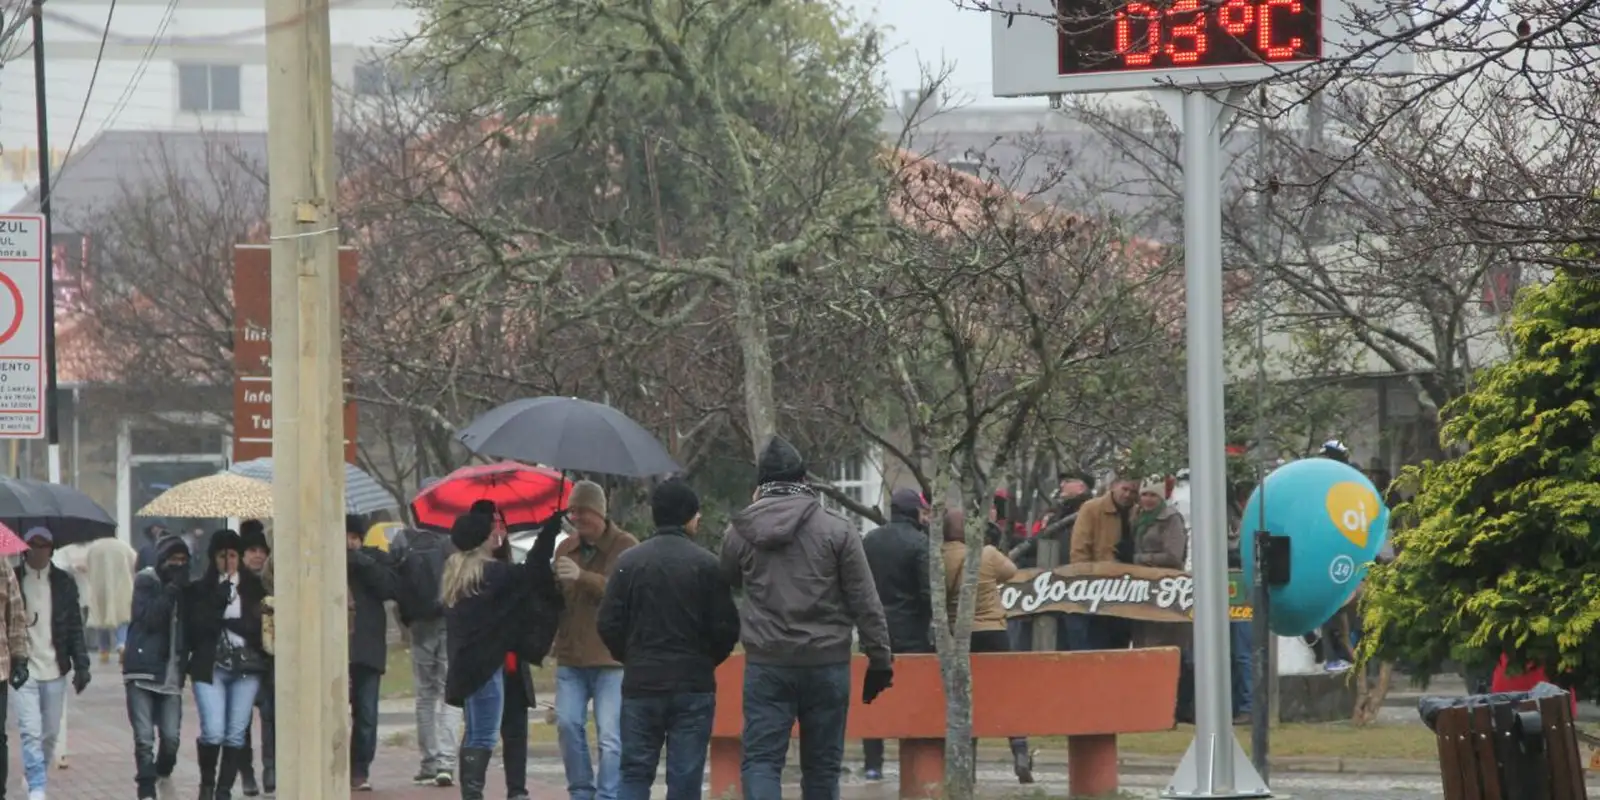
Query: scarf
<point x="785" y="489"/>
<point x="1147" y="518"/>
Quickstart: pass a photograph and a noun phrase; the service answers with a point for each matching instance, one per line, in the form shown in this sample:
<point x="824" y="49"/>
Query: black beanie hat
<point x="225" y="539"/>
<point x="673" y="504"/>
<point x="780" y="462"/>
<point x="253" y="534"/>
<point x="470" y="531"/>
<point x="485" y="507"/>
<point x="355" y="524"/>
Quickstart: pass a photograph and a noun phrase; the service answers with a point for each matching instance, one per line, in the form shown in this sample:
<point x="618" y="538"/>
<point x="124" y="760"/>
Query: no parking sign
<point x="23" y="261"/>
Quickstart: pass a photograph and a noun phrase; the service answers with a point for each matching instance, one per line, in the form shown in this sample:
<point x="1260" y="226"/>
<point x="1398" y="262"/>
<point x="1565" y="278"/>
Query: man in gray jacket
<point x="807" y="586"/>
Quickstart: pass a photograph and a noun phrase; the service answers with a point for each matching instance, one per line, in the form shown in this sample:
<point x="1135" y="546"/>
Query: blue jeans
<point x="482" y="712"/>
<point x="1241" y="644"/>
<point x="681" y="722"/>
<point x="156" y="719"/>
<point x="225" y="706"/>
<point x="575" y="688"/>
<point x="108" y="639"/>
<point x="39" y="706"/>
<point x="775" y="698"/>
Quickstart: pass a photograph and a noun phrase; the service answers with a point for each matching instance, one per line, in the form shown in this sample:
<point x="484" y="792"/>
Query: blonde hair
<point x="463" y="574"/>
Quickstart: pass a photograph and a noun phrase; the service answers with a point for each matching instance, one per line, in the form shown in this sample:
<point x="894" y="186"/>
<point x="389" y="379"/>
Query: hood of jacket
<point x="772" y="523"/>
<point x="169" y="545"/>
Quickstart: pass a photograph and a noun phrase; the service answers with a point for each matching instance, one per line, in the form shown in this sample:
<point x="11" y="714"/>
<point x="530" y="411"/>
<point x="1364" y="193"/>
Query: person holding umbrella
<point x="492" y="608"/>
<point x="586" y="670"/>
<point x="57" y="646"/>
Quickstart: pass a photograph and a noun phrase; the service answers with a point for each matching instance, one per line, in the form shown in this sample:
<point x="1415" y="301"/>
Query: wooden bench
<point x="1522" y="751"/>
<point x="1087" y="697"/>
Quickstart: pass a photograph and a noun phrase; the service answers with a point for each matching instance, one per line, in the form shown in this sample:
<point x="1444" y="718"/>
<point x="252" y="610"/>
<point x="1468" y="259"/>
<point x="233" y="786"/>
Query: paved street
<point x="101" y="767"/>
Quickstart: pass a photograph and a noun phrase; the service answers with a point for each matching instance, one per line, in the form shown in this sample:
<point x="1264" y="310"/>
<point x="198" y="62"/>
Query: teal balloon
<point x="1336" y="523"/>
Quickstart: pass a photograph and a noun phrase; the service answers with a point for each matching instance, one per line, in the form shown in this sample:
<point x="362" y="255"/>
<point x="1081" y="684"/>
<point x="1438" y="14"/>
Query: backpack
<point x="421" y="573"/>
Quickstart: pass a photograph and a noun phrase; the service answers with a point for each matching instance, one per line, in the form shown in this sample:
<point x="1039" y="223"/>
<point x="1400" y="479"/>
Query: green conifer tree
<point x="1501" y="553"/>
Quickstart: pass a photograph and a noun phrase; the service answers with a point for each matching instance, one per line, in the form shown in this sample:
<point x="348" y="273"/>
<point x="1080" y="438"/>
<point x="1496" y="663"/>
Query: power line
<point x="89" y="92"/>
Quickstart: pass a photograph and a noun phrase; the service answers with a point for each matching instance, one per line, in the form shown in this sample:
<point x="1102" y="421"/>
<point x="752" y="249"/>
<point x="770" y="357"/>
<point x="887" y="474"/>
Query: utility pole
<point x="51" y="427"/>
<point x="307" y="398"/>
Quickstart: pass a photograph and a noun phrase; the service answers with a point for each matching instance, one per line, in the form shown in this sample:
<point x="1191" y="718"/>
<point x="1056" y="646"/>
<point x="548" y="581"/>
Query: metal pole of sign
<point x="1215" y="765"/>
<point x="1261" y="659"/>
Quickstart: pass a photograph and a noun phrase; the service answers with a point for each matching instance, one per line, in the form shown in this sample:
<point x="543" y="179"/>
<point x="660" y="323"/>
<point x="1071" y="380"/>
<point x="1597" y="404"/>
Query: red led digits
<point x="1125" y="44"/>
<point x="1192" y="33"/>
<point x="1236" y="17"/>
<point x="1182" y="32"/>
<point x="1270" y="51"/>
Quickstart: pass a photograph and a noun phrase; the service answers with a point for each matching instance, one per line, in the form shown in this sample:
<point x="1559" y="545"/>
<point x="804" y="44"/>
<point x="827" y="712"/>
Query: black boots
<point x="227" y="771"/>
<point x="247" y="772"/>
<point x="269" y="776"/>
<point x="209" y="755"/>
<point x="474" y="772"/>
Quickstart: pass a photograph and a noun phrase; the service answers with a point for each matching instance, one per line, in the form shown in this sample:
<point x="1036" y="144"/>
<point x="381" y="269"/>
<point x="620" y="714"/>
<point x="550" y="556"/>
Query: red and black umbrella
<point x="526" y="496"/>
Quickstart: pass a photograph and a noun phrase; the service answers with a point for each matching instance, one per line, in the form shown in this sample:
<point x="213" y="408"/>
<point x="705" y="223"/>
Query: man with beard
<point x="897" y="554"/>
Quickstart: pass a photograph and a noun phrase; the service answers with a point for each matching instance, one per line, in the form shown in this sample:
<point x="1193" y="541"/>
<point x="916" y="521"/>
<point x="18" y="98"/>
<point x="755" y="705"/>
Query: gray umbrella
<point x="568" y="434"/>
<point x="69" y="514"/>
<point x="362" y="493"/>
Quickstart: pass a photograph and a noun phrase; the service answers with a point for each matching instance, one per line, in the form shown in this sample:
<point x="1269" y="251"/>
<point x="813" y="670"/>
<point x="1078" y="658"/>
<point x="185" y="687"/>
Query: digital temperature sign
<point x="1136" y="35"/>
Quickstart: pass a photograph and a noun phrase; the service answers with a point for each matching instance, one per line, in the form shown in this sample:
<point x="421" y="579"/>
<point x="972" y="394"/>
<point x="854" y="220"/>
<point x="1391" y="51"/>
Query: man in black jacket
<point x="897" y="554"/>
<point x="152" y="664"/>
<point x="668" y="616"/>
<point x="371" y="580"/>
<point x="57" y="646"/>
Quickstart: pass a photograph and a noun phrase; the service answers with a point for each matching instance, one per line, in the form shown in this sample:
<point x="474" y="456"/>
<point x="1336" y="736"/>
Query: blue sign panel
<point x="1336" y="524"/>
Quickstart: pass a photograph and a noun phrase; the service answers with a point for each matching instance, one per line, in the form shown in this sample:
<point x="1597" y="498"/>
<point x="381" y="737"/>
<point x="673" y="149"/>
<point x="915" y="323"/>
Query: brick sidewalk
<point x="101" y="756"/>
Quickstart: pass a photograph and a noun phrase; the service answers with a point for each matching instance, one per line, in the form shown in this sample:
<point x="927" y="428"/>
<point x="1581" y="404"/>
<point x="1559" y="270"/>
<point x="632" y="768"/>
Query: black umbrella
<point x="69" y="514"/>
<point x="569" y="434"/>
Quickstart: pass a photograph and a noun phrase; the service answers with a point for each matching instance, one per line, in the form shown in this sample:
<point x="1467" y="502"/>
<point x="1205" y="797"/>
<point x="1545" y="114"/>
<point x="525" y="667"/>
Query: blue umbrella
<point x="568" y="434"/>
<point x="362" y="493"/>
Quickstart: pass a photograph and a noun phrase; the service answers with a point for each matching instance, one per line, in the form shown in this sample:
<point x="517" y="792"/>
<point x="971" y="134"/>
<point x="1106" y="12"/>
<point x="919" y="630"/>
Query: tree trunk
<point x="750" y="325"/>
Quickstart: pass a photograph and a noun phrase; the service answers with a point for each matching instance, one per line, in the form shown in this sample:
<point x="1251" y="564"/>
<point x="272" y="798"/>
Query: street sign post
<point x="252" y="352"/>
<point x="23" y="261"/>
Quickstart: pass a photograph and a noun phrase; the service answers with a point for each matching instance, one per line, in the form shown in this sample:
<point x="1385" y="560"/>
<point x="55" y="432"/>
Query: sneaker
<point x="873" y="774"/>
<point x="425" y="777"/>
<point x="360" y="783"/>
<point x="1336" y="665"/>
<point x="36" y="794"/>
<point x="444" y="778"/>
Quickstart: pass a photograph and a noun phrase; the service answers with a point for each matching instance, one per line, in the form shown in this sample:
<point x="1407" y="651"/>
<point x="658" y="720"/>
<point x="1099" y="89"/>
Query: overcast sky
<point x="930" y="32"/>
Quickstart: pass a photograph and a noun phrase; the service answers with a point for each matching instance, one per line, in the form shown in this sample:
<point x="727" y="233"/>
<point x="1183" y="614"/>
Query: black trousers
<point x="981" y="642"/>
<point x="514" y="733"/>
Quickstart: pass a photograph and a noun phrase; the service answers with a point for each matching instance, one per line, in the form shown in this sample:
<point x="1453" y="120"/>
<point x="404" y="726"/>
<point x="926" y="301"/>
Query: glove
<point x="567" y="569"/>
<point x="878" y="679"/>
<point x="19" y="670"/>
<point x="80" y="680"/>
<point x="552" y="526"/>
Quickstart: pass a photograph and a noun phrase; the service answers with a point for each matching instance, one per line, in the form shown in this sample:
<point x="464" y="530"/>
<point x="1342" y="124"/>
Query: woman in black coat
<point x="226" y="660"/>
<point x="492" y="609"/>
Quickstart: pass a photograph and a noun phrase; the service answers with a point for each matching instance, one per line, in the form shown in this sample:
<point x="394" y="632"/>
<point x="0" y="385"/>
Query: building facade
<point x="195" y="65"/>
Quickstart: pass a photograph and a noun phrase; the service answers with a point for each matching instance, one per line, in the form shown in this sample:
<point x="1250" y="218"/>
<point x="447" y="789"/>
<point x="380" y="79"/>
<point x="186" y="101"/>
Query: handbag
<point x="239" y="657"/>
<point x="268" y="634"/>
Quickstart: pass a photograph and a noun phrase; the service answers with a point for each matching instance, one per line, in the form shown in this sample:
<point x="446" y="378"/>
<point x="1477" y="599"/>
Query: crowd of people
<point x="636" y="629"/>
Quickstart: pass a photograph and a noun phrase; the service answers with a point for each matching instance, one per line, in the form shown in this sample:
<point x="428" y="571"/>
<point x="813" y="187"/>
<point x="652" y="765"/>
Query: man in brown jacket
<point x="1104" y="532"/>
<point x="585" y="670"/>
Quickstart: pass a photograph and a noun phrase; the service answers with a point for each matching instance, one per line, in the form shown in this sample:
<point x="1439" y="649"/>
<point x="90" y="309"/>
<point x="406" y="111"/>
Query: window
<point x="379" y="77"/>
<point x="860" y="478"/>
<point x="208" y="87"/>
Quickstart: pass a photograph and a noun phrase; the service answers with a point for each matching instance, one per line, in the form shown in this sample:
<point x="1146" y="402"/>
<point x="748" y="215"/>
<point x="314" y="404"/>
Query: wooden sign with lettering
<point x="1113" y="589"/>
<point x="252" y="352"/>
